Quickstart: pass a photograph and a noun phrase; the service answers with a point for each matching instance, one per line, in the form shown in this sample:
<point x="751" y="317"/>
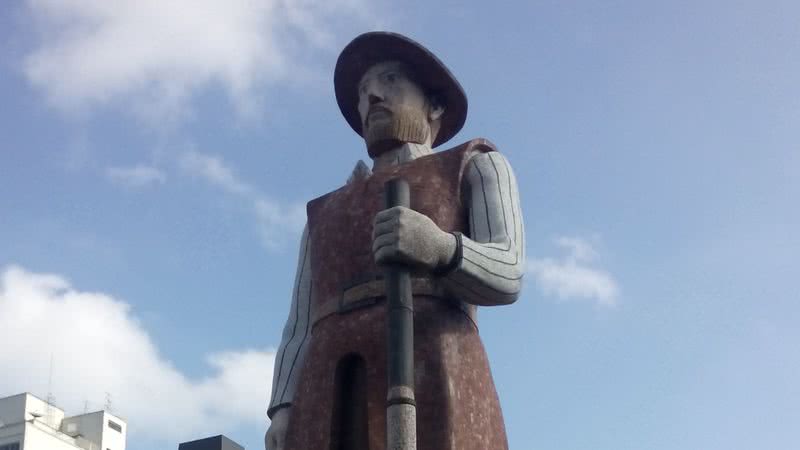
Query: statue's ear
<point x="435" y="108"/>
<point x="435" y="112"/>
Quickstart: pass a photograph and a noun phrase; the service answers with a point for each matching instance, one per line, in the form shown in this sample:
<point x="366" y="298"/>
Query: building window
<point x="111" y="424"/>
<point x="11" y="446"/>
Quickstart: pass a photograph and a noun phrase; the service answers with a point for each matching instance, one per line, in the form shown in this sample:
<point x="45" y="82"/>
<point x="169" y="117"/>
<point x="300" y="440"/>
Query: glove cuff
<point x="455" y="262"/>
<point x="271" y="411"/>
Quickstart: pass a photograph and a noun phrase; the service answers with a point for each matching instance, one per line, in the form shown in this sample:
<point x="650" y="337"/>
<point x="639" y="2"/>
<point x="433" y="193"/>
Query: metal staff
<point x="401" y="409"/>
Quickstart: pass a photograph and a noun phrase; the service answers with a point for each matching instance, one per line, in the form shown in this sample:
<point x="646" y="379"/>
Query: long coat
<point x="340" y="398"/>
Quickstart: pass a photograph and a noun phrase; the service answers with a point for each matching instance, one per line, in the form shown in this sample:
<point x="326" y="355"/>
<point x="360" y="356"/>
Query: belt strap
<point x="372" y="292"/>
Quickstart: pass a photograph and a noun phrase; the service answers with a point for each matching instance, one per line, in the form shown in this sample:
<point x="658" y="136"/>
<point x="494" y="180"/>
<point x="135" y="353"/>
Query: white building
<point x="30" y="423"/>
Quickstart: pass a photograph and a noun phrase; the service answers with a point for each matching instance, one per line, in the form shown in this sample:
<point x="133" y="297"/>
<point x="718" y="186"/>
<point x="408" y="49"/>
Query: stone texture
<point x="403" y="418"/>
<point x="457" y="405"/>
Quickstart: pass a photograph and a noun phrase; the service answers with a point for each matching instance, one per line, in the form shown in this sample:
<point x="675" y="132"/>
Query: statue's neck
<point x="408" y="151"/>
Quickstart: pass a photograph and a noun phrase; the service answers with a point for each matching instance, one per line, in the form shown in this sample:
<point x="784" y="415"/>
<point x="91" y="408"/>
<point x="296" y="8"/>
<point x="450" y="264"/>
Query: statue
<point x="462" y="239"/>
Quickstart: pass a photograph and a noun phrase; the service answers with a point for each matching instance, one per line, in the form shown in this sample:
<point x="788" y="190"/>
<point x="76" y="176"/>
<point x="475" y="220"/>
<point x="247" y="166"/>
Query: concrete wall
<point x="12" y="433"/>
<point x="50" y="430"/>
<point x="12" y="409"/>
<point x="114" y="439"/>
<point x="19" y="424"/>
<point x="211" y="443"/>
<point x="97" y="428"/>
<point x="50" y="415"/>
<point x="39" y="436"/>
<point x="89" y="426"/>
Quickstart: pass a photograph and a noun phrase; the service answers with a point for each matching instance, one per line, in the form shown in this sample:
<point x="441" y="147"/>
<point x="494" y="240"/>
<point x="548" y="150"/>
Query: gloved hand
<point x="402" y="235"/>
<point x="276" y="434"/>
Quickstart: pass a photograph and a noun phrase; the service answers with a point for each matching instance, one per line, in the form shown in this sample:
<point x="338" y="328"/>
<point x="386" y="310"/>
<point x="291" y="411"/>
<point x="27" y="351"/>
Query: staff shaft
<point x="401" y="417"/>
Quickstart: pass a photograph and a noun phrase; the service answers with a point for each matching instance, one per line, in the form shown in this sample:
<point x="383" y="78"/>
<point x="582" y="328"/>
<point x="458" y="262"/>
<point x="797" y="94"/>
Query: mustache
<point x="377" y="107"/>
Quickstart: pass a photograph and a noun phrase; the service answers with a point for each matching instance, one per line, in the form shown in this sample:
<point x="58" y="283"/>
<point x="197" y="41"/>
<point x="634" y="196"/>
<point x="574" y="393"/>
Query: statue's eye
<point x="390" y="77"/>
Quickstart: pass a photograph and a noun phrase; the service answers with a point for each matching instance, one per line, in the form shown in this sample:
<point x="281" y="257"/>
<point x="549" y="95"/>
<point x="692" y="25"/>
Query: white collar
<point x="409" y="151"/>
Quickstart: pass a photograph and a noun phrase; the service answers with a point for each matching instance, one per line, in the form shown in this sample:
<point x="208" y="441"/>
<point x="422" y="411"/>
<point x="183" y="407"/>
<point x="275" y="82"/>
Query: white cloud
<point x="579" y="249"/>
<point x="275" y="220"/>
<point x="573" y="276"/>
<point x="98" y="346"/>
<point x="155" y="54"/>
<point x="136" y="176"/>
<point x="213" y="170"/>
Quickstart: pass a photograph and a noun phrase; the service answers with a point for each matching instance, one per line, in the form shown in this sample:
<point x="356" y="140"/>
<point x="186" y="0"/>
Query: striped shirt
<point x="489" y="271"/>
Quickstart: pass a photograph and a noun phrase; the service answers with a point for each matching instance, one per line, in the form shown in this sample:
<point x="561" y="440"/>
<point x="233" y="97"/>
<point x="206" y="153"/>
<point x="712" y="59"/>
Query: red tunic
<point x="457" y="405"/>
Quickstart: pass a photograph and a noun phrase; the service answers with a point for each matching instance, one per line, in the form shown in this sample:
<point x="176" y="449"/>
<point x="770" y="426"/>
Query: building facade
<point x="30" y="423"/>
<point x="210" y="443"/>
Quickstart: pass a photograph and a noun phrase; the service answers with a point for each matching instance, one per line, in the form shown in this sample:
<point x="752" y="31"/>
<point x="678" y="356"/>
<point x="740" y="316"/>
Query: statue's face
<point x="393" y="108"/>
<point x="386" y="87"/>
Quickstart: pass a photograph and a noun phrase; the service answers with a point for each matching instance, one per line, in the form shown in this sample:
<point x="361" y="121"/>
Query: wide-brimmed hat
<point x="371" y="48"/>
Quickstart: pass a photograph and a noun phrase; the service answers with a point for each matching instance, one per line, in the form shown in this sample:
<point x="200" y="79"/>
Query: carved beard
<point x="405" y="125"/>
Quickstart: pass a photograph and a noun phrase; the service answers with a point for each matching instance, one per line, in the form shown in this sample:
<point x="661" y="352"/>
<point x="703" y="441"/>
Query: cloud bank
<point x="573" y="276"/>
<point x="156" y="53"/>
<point x="98" y="346"/>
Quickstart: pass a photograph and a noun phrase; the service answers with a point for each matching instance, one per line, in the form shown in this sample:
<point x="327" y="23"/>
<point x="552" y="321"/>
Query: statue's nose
<point x="374" y="98"/>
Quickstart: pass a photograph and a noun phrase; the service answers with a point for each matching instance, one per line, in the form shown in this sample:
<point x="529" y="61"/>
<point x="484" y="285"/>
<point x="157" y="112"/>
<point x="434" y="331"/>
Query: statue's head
<point x="394" y="107"/>
<point x="392" y="90"/>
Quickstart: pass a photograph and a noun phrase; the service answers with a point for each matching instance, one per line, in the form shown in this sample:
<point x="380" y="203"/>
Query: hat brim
<point x="371" y="48"/>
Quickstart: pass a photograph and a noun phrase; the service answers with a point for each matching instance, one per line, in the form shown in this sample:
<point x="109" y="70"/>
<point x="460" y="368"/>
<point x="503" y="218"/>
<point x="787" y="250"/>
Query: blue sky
<point x="156" y="158"/>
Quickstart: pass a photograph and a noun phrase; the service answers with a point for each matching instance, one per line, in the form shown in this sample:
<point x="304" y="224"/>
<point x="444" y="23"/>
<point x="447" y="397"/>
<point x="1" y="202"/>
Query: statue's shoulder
<point x="467" y="150"/>
<point x="460" y="155"/>
<point x="472" y="146"/>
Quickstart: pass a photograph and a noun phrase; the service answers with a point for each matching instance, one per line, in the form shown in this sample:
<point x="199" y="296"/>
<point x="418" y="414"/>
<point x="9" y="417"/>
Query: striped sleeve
<point x="490" y="259"/>
<point x="296" y="334"/>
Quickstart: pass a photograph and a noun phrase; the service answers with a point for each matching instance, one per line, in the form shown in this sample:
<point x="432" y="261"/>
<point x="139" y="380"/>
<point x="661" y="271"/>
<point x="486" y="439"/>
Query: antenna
<point x="107" y="406"/>
<point x="50" y="398"/>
